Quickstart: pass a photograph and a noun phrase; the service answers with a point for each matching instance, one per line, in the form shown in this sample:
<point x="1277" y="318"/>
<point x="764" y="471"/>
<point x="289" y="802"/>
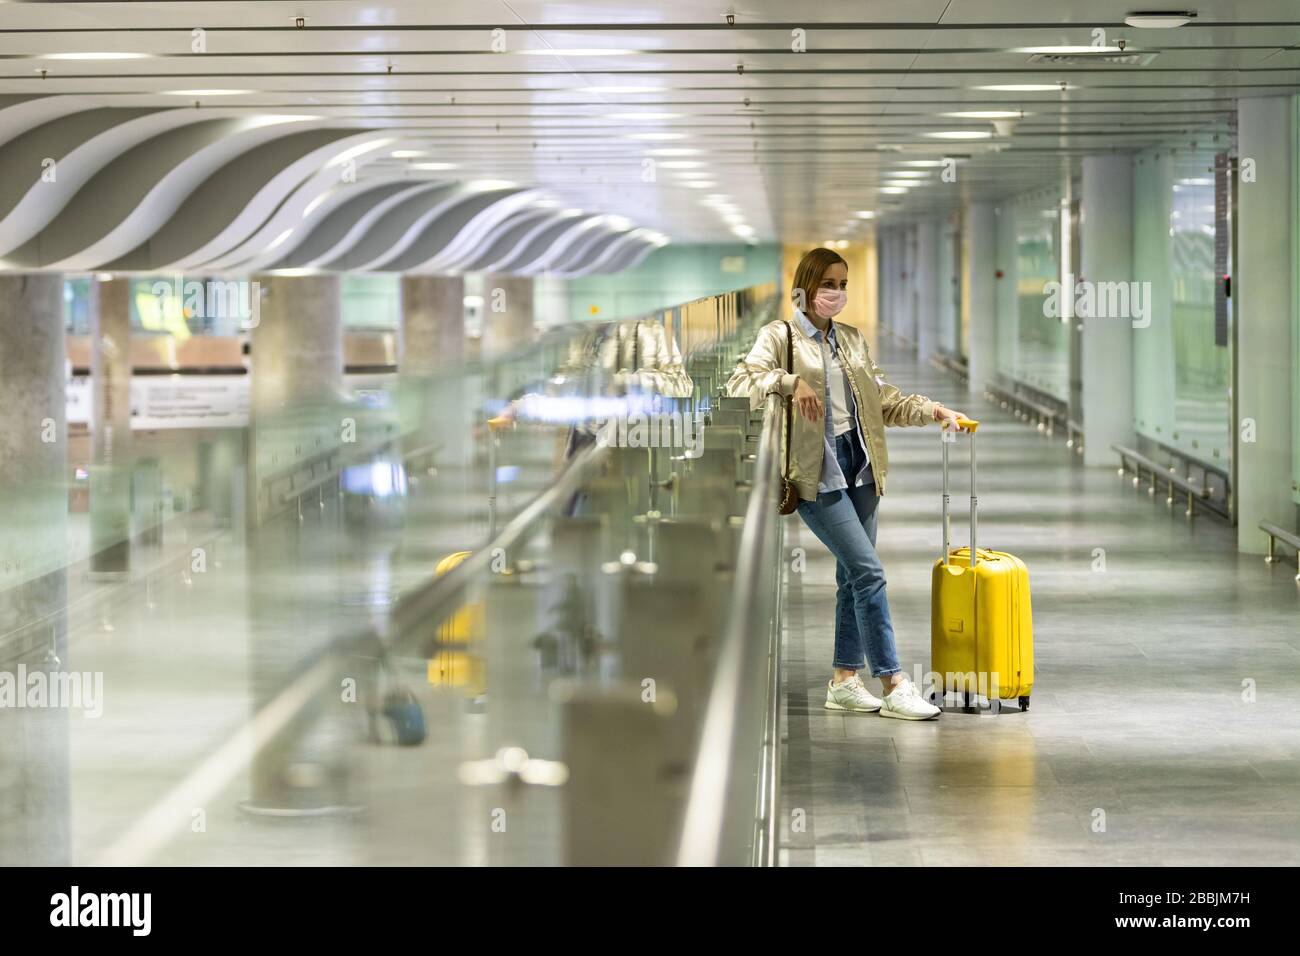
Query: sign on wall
<point x="197" y="401"/>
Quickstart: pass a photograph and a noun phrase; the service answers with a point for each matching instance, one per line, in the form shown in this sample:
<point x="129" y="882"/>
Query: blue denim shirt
<point x="832" y="477"/>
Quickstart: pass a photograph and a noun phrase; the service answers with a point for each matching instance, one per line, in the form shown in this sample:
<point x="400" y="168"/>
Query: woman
<point x="838" y="464"/>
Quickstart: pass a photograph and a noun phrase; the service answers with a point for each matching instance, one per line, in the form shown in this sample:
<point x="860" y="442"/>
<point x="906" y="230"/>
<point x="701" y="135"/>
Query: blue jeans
<point x="845" y="521"/>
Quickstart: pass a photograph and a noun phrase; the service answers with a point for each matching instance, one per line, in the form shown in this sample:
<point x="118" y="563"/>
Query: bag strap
<point x="789" y="402"/>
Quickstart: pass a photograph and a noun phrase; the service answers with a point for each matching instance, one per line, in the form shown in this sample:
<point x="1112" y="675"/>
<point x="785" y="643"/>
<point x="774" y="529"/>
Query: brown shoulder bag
<point x="789" y="496"/>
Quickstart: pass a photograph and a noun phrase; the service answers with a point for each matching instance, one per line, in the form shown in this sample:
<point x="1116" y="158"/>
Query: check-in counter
<point x="154" y="354"/>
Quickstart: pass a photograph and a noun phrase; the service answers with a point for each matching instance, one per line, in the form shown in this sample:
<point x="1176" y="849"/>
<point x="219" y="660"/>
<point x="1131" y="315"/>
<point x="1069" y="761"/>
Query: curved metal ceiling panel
<point x="124" y="202"/>
<point x="507" y="238"/>
<point x="586" y="250"/>
<point x="396" y="226"/>
<point x="336" y="212"/>
<point x="18" y="114"/>
<point x="100" y="137"/>
<point x="478" y="232"/>
<point x="603" y="262"/>
<point x="441" y="227"/>
<point x="637" y="257"/>
<point x="534" y="243"/>
<point x="235" y="200"/>
<point x="295" y="199"/>
<point x="28" y="154"/>
<point x="624" y="255"/>
<point x="290" y="226"/>
<point x="148" y="188"/>
<point x="571" y="235"/>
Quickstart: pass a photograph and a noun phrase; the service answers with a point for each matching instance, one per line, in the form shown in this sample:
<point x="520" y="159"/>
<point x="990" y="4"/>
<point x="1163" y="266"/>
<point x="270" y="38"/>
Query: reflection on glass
<point x="1181" y="375"/>
<point x="1042" y="360"/>
<point x="1202" y="368"/>
<point x="259" y="675"/>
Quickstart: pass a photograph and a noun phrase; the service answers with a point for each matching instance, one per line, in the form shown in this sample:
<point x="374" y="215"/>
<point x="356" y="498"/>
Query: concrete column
<point x="297" y="377"/>
<point x="295" y="566"/>
<point x="297" y="380"/>
<point x="297" y="344"/>
<point x="981" y="241"/>
<point x="1106" y="231"/>
<point x="507" y="313"/>
<point x="926" y="284"/>
<point x="907" y="294"/>
<point x="947" y="288"/>
<point x="896" y="281"/>
<point x="433" y="323"/>
<point x="1262" y="312"/>
<point x="33" y="453"/>
<point x="432" y="338"/>
<point x="110" y="424"/>
<point x="888" y="282"/>
<point x="34" y="786"/>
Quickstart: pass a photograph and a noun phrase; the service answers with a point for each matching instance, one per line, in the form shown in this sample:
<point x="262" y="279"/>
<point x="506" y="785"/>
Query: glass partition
<point x="1038" y="355"/>
<point x="951" y="338"/>
<point x="390" y="723"/>
<point x="1295" y="310"/>
<point x="1182" y="371"/>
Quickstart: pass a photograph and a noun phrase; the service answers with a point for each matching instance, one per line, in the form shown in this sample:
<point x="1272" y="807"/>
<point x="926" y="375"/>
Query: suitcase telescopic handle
<point x="967" y="425"/>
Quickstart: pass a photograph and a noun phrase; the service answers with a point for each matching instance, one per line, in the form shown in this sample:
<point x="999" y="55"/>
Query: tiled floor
<point x="1137" y="721"/>
<point x="1140" y="745"/>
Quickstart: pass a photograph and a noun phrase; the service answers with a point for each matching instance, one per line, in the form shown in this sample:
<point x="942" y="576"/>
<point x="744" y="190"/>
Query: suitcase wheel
<point x="1024" y="703"/>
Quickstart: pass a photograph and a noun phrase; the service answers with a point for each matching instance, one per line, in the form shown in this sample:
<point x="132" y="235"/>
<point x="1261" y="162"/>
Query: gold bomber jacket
<point x="763" y="371"/>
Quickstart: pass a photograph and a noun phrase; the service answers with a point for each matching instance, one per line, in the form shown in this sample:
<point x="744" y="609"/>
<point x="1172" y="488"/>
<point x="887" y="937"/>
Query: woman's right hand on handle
<point x="808" y="402"/>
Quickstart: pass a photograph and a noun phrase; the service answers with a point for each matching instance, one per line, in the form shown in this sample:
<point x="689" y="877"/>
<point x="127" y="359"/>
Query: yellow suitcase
<point x="458" y="658"/>
<point x="981" y="626"/>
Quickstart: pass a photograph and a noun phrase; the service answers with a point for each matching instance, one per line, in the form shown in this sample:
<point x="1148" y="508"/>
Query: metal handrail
<point x="951" y="364"/>
<point x="1141" y="461"/>
<point x="1275" y="534"/>
<point x="1074" y="435"/>
<point x="425" y="608"/>
<point x="1047" y="415"/>
<point x="428" y="605"/>
<point x="1195" y="491"/>
<point x="713" y="777"/>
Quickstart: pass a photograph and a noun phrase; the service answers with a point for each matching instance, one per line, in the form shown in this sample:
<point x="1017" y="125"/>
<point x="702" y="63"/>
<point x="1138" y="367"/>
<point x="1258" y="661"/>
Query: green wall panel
<point x="671" y="275"/>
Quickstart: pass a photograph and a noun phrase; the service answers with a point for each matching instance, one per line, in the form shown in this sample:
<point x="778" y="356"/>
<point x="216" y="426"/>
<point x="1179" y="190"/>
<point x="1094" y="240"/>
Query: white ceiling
<point x="795" y="145"/>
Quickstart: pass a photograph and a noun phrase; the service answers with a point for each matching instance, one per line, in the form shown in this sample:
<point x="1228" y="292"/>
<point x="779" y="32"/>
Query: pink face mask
<point x="830" y="302"/>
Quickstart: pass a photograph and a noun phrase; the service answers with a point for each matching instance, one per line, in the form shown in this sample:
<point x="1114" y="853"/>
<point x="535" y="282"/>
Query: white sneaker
<point x="906" y="703"/>
<point x="851" y="695"/>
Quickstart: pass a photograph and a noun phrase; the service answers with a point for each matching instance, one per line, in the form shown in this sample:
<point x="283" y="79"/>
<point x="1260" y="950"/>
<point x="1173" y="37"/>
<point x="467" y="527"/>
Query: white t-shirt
<point x="841" y="419"/>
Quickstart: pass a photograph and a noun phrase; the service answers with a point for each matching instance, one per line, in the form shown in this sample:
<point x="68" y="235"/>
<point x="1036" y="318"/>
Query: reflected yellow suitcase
<point x="458" y="659"/>
<point x="981" y="625"/>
